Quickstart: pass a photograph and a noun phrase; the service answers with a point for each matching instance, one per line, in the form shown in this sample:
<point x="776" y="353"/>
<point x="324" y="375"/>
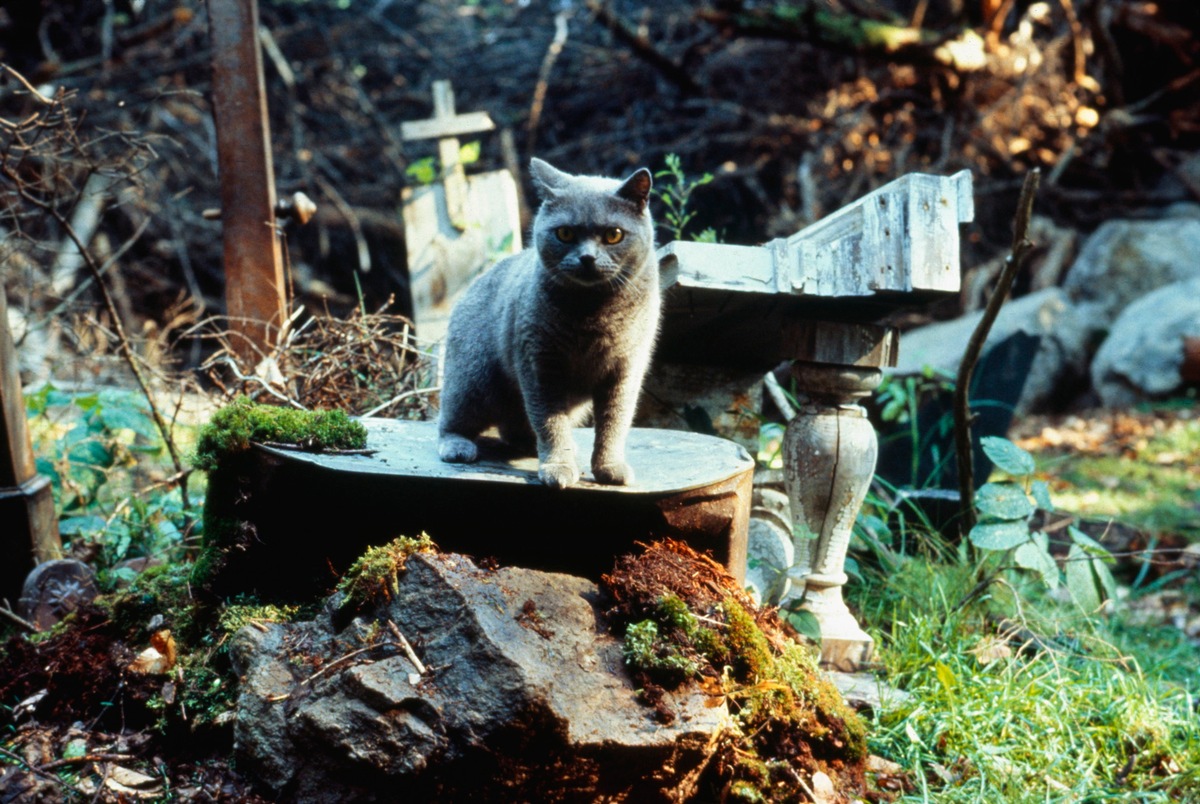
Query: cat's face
<point x="590" y="231"/>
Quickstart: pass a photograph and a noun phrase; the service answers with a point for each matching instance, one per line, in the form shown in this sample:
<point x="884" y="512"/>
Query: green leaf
<point x="128" y="418"/>
<point x="1006" y="501"/>
<point x="805" y="623"/>
<point x="423" y="171"/>
<point x="1033" y="555"/>
<point x="90" y="453"/>
<point x="469" y="152"/>
<point x="1085" y="587"/>
<point x="76" y="525"/>
<point x="1041" y="493"/>
<point x="1007" y="456"/>
<point x="75" y="748"/>
<point x="946" y="676"/>
<point x="1089" y="545"/>
<point x="999" y="534"/>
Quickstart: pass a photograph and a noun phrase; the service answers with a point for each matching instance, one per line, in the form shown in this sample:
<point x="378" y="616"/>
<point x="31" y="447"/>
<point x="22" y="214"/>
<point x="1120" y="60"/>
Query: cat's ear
<point x="637" y="188"/>
<point x="548" y="180"/>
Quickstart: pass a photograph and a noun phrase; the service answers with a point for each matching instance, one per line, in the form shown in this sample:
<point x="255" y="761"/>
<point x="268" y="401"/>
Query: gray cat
<point x="565" y="325"/>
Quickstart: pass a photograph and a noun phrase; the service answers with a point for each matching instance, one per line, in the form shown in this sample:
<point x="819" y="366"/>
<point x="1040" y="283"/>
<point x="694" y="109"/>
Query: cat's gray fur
<point x="558" y="330"/>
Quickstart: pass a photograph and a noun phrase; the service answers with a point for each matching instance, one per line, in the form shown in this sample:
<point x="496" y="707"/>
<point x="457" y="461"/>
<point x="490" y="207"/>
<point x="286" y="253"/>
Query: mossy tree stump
<point x="286" y="524"/>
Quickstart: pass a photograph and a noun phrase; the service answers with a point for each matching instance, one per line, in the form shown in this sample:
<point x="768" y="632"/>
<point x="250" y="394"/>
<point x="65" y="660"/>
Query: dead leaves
<point x="158" y="659"/>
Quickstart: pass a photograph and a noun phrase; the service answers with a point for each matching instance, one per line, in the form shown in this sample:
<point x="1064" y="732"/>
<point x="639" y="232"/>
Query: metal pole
<point x="255" y="292"/>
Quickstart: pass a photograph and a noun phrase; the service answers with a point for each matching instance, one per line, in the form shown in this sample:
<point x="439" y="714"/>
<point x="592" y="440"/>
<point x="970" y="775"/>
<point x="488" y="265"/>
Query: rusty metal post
<point x="255" y="292"/>
<point x="28" y="527"/>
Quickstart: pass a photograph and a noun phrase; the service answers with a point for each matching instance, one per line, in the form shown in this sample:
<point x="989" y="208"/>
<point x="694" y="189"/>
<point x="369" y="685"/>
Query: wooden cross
<point x="446" y="126"/>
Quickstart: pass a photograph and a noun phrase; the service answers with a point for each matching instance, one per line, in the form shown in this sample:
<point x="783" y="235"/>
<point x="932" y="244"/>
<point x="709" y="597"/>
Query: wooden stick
<point x="962" y="404"/>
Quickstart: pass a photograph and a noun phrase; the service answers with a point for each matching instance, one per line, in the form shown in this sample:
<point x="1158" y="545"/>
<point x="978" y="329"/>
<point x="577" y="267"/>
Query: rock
<point x="1126" y="259"/>
<point x="1060" y="363"/>
<point x="523" y="697"/>
<point x="1144" y="352"/>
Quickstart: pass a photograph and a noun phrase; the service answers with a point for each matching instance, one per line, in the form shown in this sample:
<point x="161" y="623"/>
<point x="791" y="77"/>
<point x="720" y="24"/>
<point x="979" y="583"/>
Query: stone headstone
<point x="55" y="589"/>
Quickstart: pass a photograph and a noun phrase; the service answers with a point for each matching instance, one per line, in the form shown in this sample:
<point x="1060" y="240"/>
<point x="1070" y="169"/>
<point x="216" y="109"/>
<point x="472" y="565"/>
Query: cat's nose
<point x="587" y="262"/>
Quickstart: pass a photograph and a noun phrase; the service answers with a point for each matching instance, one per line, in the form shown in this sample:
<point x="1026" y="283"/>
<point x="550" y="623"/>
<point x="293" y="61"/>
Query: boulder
<point x="1126" y="259"/>
<point x="511" y="689"/>
<point x="1142" y="356"/>
<point x="1061" y="360"/>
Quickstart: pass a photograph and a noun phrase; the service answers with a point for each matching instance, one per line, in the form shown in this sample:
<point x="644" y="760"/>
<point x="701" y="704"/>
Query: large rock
<point x="1061" y="360"/>
<point x="1142" y="356"/>
<point x="523" y="697"/>
<point x="1126" y="259"/>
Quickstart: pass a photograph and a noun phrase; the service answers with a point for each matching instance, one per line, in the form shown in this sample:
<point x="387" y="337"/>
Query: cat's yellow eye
<point x="613" y="236"/>
<point x="565" y="233"/>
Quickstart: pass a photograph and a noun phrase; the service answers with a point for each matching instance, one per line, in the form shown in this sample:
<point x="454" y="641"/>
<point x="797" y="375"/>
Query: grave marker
<point x="457" y="226"/>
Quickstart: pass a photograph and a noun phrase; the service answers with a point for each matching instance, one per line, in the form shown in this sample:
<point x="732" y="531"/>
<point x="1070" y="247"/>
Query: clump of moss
<point x="235" y="426"/>
<point x="236" y="616"/>
<point x="685" y="619"/>
<point x="645" y="652"/>
<point x="372" y="578"/>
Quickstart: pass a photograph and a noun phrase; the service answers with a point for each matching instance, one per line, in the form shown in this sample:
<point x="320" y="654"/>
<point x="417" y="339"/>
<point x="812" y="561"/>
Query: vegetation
<point x="236" y="425"/>
<point x="372" y="577"/>
<point x="1018" y="685"/>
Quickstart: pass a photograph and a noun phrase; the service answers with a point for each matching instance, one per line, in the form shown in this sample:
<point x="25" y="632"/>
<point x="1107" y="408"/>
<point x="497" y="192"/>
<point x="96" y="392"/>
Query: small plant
<point x="372" y="577"/>
<point x="1005" y="508"/>
<point x="675" y="194"/>
<point x="93" y="447"/>
<point x="424" y="171"/>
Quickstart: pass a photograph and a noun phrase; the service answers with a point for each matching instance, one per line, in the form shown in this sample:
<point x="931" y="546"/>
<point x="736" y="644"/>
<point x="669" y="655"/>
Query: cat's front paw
<point x="457" y="449"/>
<point x="618" y="473"/>
<point x="559" y="475"/>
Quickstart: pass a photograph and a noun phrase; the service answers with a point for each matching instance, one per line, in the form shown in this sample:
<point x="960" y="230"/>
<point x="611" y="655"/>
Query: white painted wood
<point x="901" y="237"/>
<point x="444" y="258"/>
<point x="457" y="126"/>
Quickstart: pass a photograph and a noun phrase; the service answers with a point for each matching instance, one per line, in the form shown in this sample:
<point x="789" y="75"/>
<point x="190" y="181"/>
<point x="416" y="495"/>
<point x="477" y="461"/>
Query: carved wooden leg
<point x="829" y="459"/>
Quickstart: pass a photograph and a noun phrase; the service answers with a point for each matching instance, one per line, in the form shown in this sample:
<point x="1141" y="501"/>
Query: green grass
<point x="1103" y="712"/>
<point x="1148" y="496"/>
<point x="1156" y="489"/>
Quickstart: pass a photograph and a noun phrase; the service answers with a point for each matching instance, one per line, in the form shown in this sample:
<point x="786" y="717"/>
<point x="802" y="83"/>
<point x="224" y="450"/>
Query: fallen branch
<point x="10" y="615"/>
<point x="408" y="649"/>
<point x="962" y="404"/>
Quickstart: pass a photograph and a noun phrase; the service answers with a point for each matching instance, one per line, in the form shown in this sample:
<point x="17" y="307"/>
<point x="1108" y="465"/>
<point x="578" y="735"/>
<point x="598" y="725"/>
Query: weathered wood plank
<point x="459" y="125"/>
<point x="903" y="237"/>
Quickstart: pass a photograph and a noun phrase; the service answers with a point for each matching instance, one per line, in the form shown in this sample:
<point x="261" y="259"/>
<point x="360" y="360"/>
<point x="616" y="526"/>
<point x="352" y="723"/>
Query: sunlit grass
<point x="1100" y="711"/>
<point x="1154" y="488"/>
